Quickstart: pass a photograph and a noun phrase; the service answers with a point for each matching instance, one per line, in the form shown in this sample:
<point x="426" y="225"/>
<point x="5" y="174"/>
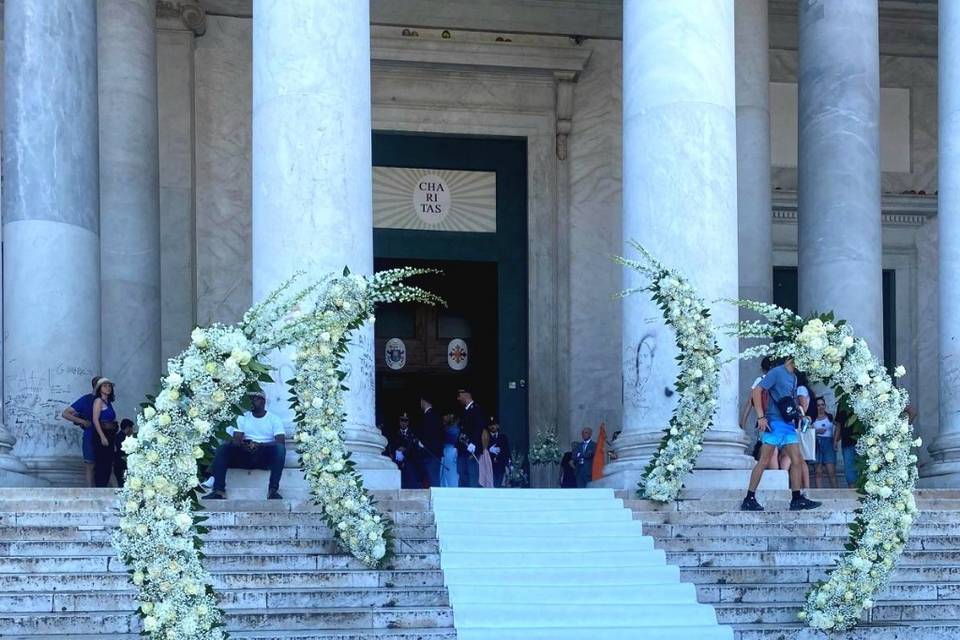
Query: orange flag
<point x="600" y="457"/>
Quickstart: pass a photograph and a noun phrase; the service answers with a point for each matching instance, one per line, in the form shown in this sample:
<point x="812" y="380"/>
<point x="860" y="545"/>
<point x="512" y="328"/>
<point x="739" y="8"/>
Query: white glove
<point x="495" y="450"/>
<point x="471" y="447"/>
<point x="398" y="456"/>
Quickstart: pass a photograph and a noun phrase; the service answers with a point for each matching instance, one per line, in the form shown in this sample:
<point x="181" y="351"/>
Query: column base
<point x="942" y="471"/>
<point x="56" y="471"/>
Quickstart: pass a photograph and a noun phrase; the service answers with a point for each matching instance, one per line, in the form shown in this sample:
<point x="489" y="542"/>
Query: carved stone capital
<point x="191" y="14"/>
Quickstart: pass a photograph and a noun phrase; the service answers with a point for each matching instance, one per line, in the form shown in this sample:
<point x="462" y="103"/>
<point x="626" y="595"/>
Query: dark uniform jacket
<point x="472" y="424"/>
<point x="500" y="460"/>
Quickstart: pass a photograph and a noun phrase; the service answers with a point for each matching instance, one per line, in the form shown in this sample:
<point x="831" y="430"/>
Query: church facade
<point x="166" y="164"/>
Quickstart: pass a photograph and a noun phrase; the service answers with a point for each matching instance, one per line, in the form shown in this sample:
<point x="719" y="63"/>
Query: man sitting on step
<point x="257" y="442"/>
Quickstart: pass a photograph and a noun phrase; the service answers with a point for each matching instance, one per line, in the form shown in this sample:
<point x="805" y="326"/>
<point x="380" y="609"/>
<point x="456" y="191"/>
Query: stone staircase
<point x="274" y="563"/>
<point x="754" y="568"/>
<point x="559" y="564"/>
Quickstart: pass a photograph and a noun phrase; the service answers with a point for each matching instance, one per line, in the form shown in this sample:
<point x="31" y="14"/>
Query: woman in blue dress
<point x="449" y="477"/>
<point x="105" y="425"/>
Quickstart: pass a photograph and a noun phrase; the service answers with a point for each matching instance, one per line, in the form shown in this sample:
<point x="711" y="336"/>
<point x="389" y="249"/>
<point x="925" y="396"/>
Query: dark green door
<point x="485" y="278"/>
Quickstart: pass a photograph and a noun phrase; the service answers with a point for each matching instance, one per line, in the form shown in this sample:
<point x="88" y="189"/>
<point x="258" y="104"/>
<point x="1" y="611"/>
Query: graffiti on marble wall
<point x="34" y="399"/>
<point x="638" y="366"/>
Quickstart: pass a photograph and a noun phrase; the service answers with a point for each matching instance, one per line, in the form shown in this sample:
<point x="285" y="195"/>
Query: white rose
<point x="150" y="623"/>
<point x="900" y="371"/>
<point x="149" y="412"/>
<point x="129" y="445"/>
<point x="183" y="521"/>
<point x="164" y="419"/>
<point x="199" y="337"/>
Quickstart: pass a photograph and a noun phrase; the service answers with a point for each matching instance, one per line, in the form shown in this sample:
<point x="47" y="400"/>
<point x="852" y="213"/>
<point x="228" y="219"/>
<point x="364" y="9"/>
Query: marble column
<point x="943" y="470"/>
<point x="680" y="201"/>
<point x="13" y="473"/>
<point x="51" y="273"/>
<point x="840" y="246"/>
<point x="129" y="199"/>
<point x="753" y="166"/>
<point x="312" y="184"/>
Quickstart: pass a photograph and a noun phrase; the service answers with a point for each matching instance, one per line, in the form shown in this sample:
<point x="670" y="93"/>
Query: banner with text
<point x="434" y="200"/>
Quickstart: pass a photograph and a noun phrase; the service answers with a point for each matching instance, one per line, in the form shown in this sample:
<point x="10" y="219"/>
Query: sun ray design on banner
<point x="205" y="389"/>
<point x="435" y="200"/>
<point x="697" y="383"/>
<point x="829" y="352"/>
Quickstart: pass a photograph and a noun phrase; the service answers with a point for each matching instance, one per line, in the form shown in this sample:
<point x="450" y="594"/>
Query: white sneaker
<point x="208" y="483"/>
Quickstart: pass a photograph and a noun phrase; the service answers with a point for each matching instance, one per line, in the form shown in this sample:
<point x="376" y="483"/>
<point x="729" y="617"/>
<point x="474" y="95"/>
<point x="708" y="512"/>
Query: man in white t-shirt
<point x="257" y="442"/>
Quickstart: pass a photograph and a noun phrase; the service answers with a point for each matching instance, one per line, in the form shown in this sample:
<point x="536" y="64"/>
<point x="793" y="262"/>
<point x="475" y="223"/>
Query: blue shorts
<point x="780" y="435"/>
<point x="89" y="450"/>
<point x="826" y="452"/>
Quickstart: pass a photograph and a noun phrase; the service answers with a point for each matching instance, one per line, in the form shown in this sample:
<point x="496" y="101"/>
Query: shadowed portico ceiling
<point x="907" y="27"/>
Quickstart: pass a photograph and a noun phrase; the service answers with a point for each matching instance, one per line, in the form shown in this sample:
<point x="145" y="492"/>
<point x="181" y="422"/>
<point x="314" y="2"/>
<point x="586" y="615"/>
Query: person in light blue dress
<point x="449" y="477"/>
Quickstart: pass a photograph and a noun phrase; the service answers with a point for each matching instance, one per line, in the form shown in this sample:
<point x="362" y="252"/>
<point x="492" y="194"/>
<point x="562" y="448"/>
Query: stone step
<point x="532" y="559"/>
<point x="323" y="546"/>
<point x="585" y="630"/>
<point x="561" y="575"/>
<point x="919" y="610"/>
<point x="945" y="559"/>
<point x="867" y="631"/>
<point x="243" y="518"/>
<point x="763" y="518"/>
<point x="440" y="633"/>
<point x="780" y="503"/>
<point x="707" y="493"/>
<point x="791" y="543"/>
<point x="280" y="619"/>
<point x="587" y="517"/>
<point x="508" y="503"/>
<point x="119" y="581"/>
<point x="533" y="495"/>
<point x="256" y="562"/>
<point x="107" y="505"/>
<point x="539" y="615"/>
<point x="535" y="544"/>
<point x="807" y="574"/>
<point x="126" y="601"/>
<point x="767" y="593"/>
<point x="574" y="596"/>
<point x="733" y="529"/>
<point x="93" y="533"/>
<point x="554" y="531"/>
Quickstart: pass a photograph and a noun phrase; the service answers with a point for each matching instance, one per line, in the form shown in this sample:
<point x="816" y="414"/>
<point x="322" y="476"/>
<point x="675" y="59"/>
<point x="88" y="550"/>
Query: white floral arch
<point x="827" y="350"/>
<point x="203" y="393"/>
<point x="697" y="383"/>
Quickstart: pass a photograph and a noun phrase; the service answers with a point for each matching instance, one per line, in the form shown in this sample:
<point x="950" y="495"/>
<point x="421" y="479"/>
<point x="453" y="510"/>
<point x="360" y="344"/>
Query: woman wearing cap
<point x="105" y="425"/>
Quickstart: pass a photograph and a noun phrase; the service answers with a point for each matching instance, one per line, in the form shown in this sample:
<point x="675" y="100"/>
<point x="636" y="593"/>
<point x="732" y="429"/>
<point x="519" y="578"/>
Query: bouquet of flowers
<point x="546" y="448"/>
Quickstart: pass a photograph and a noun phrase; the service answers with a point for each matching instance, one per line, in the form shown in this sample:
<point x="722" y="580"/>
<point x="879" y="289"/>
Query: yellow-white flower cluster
<point x="830" y="353"/>
<point x="697" y="382"/>
<point x="203" y="393"/>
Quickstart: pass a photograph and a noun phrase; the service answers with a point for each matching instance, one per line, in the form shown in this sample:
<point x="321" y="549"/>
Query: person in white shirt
<point x="826" y="445"/>
<point x="257" y="442"/>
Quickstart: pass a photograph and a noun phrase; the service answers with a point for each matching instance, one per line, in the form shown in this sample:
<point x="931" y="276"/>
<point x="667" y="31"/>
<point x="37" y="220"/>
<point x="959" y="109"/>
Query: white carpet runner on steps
<point x="557" y="564"/>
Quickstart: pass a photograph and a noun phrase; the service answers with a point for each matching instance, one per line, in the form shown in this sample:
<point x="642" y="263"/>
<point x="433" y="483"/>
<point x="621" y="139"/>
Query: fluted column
<point x="943" y="470"/>
<point x="51" y="274"/>
<point x="753" y="165"/>
<point x="312" y="184"/>
<point x="680" y="201"/>
<point x="838" y="177"/>
<point x="129" y="199"/>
